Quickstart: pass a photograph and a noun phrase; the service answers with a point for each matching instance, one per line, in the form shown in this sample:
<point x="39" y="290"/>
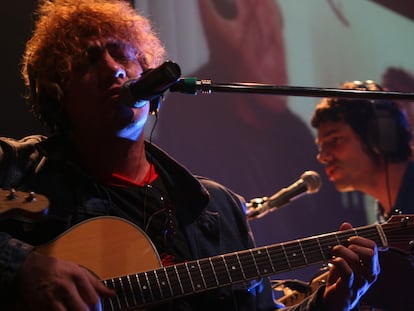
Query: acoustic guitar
<point x="125" y="259"/>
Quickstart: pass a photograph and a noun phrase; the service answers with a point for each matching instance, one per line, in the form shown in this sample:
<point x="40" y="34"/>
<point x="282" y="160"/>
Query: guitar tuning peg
<point x="31" y="197"/>
<point x="12" y="195"/>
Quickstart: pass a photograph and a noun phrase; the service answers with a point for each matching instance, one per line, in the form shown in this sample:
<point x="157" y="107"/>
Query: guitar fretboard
<point x="146" y="288"/>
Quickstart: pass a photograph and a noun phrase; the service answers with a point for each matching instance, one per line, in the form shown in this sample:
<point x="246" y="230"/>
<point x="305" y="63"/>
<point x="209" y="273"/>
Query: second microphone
<point x="309" y="182"/>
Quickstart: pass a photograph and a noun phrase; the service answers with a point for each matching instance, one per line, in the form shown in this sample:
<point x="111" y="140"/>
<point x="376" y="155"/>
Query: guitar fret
<point x="186" y="284"/>
<point x="377" y="235"/>
<point x="303" y="253"/>
<point x="346" y="235"/>
<point x="131" y="288"/>
<point x="337" y="239"/>
<point x="169" y="282"/>
<point x="247" y="264"/>
<point x="201" y="273"/>
<point x="109" y="299"/>
<point x="293" y="250"/>
<point x="138" y="286"/>
<point x="222" y="275"/>
<point x="328" y="242"/>
<point x="214" y="271"/>
<point x="286" y="256"/>
<point x="155" y="285"/>
<point x="123" y="295"/>
<point x="189" y="276"/>
<point x="279" y="258"/>
<point x="321" y="250"/>
<point x="148" y="285"/>
<point x="208" y="273"/>
<point x="164" y="283"/>
<point x="313" y="251"/>
<point x="269" y="259"/>
<point x="117" y="301"/>
<point x="108" y="305"/>
<point x="240" y="265"/>
<point x="152" y="285"/>
<point x="195" y="276"/>
<point x="254" y="262"/>
<point x="175" y="282"/>
<point x="145" y="289"/>
<point x="226" y="260"/>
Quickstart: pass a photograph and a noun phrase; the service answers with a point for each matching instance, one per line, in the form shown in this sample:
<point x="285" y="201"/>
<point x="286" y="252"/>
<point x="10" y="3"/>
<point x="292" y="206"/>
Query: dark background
<point x="15" y="119"/>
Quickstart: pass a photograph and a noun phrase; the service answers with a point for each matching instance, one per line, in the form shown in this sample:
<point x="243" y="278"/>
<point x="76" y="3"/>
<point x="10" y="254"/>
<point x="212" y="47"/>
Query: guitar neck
<point x="146" y="288"/>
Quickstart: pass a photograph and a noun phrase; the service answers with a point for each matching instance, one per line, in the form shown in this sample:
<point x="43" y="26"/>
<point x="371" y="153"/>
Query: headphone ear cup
<point x="384" y="132"/>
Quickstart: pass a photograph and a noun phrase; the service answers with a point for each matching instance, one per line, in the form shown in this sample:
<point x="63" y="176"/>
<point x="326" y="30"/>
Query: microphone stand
<point x="193" y="86"/>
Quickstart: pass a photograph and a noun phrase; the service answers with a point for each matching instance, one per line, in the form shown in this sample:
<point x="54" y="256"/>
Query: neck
<point x="387" y="185"/>
<point x="102" y="158"/>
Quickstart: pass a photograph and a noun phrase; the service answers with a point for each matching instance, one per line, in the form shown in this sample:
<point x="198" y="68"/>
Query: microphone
<point x="152" y="84"/>
<point x="309" y="182"/>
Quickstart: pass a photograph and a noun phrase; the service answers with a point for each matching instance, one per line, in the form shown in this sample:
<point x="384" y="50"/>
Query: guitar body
<point x="108" y="246"/>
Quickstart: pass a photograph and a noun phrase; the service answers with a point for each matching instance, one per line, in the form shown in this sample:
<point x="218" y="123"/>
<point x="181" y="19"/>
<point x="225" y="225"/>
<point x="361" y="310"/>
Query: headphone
<point x="383" y="128"/>
<point x="387" y="129"/>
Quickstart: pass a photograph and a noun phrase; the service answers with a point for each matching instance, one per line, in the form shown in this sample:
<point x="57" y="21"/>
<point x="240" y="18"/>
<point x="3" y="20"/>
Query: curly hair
<point x="61" y="27"/>
<point x="380" y="124"/>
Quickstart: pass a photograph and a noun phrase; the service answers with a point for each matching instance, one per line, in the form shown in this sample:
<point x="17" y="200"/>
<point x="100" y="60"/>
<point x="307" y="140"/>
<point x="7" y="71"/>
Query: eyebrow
<point x="327" y="134"/>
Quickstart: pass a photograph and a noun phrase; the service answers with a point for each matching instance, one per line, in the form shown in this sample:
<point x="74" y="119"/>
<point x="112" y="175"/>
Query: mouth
<point x="330" y="171"/>
<point x="116" y="95"/>
<point x="113" y="92"/>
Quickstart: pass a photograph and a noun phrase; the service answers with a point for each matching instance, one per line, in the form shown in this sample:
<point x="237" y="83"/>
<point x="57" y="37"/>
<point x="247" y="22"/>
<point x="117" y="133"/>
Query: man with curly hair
<point x="96" y="169"/>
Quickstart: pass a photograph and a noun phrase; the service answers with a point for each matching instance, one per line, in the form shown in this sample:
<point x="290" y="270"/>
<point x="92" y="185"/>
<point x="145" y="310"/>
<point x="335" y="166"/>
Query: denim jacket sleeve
<point x="12" y="255"/>
<point x="17" y="158"/>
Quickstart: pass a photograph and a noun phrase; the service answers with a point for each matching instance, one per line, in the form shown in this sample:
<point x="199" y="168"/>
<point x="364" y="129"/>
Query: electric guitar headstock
<point x="17" y="204"/>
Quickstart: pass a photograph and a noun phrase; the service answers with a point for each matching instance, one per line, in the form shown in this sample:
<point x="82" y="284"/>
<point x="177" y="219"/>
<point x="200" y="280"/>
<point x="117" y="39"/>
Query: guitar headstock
<point x="27" y="204"/>
<point x="399" y="230"/>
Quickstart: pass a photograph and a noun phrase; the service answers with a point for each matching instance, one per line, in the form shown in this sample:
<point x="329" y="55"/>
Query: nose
<point x="114" y="68"/>
<point x="324" y="156"/>
<point x="120" y="73"/>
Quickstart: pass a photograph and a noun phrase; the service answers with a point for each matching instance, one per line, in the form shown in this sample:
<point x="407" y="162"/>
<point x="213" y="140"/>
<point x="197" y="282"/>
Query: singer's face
<point x="92" y="94"/>
<point x="347" y="163"/>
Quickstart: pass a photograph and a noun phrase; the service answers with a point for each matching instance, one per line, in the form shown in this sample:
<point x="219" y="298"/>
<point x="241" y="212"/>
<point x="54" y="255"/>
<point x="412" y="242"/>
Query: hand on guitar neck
<point x="353" y="269"/>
